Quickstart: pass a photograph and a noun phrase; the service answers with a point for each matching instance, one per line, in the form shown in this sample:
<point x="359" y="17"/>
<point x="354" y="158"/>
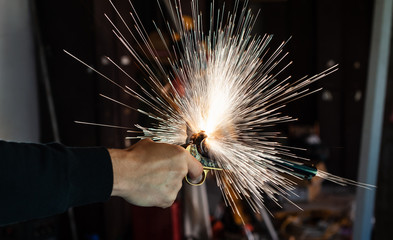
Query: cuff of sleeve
<point x="90" y="176"/>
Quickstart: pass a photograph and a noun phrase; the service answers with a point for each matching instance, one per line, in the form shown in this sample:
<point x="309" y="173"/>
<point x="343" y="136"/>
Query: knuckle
<point x="180" y="151"/>
<point x="168" y="195"/>
<point x="167" y="203"/>
<point x="178" y="148"/>
<point x="146" y="140"/>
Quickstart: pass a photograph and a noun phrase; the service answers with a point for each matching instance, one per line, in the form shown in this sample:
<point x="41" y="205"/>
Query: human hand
<point x="151" y="174"/>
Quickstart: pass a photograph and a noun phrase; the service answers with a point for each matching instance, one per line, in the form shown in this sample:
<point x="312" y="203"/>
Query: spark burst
<point x="230" y="90"/>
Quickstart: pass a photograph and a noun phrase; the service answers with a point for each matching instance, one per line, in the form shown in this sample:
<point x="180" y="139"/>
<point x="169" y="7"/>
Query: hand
<point x="151" y="174"/>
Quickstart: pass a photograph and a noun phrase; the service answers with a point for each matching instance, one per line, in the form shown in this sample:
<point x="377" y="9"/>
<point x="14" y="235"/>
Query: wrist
<point x="116" y="156"/>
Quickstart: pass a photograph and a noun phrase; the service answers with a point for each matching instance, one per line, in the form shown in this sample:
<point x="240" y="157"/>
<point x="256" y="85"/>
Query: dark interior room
<point x="344" y="127"/>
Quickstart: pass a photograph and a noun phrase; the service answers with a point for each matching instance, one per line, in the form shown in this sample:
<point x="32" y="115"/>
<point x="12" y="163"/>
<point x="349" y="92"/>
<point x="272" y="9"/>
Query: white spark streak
<point x="226" y="83"/>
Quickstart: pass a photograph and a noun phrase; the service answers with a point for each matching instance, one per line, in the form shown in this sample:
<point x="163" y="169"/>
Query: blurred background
<point x="43" y="91"/>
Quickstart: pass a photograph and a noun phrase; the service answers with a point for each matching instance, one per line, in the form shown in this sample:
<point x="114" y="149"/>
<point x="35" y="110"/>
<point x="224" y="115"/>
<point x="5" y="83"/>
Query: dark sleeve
<point x="39" y="180"/>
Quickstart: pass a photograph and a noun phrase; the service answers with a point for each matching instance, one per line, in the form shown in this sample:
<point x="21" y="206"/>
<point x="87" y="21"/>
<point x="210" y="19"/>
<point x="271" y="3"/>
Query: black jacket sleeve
<point x="39" y="180"/>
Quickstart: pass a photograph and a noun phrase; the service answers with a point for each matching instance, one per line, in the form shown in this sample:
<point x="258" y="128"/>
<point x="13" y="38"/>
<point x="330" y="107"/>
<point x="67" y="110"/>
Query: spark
<point x="227" y="83"/>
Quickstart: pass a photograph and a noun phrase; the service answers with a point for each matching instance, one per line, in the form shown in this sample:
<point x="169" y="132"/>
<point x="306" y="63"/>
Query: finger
<point x="195" y="168"/>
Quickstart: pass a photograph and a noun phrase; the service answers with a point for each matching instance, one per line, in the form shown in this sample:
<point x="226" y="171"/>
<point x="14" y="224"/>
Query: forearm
<point x="117" y="156"/>
<point x="41" y="180"/>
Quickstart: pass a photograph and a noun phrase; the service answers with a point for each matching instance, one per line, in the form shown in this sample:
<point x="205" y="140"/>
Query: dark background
<point x="323" y="33"/>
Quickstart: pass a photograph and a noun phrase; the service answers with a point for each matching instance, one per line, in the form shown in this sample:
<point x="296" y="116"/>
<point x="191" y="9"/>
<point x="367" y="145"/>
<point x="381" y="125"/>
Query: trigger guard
<point x="204" y="174"/>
